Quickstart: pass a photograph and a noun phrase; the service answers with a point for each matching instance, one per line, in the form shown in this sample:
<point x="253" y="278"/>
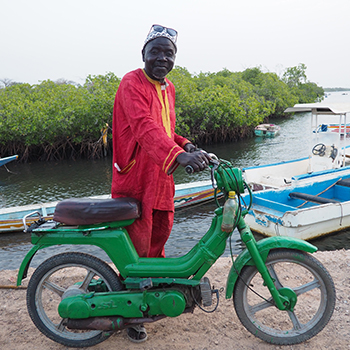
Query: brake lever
<point x="215" y="164"/>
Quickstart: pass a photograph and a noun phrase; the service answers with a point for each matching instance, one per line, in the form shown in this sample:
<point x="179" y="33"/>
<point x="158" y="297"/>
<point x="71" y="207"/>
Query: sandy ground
<point x="199" y="331"/>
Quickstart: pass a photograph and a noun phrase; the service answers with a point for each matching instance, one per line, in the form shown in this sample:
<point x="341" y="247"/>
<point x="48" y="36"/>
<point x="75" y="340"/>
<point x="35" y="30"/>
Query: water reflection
<point x="190" y="225"/>
<point x="41" y="182"/>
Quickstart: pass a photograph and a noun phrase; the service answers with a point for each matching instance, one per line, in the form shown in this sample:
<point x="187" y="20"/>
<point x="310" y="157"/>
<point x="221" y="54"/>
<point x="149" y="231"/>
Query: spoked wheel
<point x="315" y="298"/>
<point x="63" y="275"/>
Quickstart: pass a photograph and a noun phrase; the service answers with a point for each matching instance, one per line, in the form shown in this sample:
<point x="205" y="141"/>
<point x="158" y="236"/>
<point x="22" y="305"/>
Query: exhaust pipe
<point x="107" y="323"/>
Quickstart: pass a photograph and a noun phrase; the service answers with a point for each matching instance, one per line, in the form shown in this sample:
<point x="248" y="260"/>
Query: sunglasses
<point x="160" y="29"/>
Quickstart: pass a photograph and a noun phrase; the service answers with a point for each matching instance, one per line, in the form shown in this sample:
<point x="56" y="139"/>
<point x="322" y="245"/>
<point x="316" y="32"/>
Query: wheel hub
<point x="292" y="298"/>
<point x="72" y="291"/>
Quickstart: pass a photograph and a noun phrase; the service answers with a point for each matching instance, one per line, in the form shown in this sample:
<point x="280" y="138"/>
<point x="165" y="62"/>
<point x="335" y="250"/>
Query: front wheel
<point x="315" y="298"/>
<point x="60" y="276"/>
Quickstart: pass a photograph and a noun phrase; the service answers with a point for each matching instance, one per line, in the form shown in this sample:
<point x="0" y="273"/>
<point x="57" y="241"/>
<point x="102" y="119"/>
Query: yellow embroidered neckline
<point x="165" y="104"/>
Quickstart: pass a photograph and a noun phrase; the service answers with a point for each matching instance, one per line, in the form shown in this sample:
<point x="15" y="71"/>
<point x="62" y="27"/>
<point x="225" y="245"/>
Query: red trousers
<point x="149" y="234"/>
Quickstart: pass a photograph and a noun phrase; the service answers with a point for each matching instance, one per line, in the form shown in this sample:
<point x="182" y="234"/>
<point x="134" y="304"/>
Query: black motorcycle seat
<point x="88" y="211"/>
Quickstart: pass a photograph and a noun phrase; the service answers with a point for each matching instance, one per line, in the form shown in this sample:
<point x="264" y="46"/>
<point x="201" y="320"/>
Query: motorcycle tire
<point x="310" y="281"/>
<point x="48" y="284"/>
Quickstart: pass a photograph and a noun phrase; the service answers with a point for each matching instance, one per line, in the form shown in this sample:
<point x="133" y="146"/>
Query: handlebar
<point x="189" y="169"/>
<point x="213" y="163"/>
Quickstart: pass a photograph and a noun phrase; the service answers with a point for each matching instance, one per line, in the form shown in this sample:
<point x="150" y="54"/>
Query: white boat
<point x="328" y="154"/>
<point x="304" y="212"/>
<point x="185" y="195"/>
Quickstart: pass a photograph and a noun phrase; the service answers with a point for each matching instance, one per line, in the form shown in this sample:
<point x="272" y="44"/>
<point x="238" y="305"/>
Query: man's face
<point x="159" y="58"/>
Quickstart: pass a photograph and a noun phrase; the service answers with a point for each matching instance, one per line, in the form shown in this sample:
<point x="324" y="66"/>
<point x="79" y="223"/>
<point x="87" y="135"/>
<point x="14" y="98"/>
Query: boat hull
<point x="266" y="130"/>
<point x="265" y="133"/>
<point x="278" y="213"/>
<point x="295" y="227"/>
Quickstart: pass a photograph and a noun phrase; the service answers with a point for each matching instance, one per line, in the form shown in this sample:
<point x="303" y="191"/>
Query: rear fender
<point x="23" y="270"/>
<point x="264" y="246"/>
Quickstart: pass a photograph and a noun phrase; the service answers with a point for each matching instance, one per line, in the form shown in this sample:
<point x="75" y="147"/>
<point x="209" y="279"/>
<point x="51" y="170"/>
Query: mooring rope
<point x="320" y="193"/>
<point x="13" y="287"/>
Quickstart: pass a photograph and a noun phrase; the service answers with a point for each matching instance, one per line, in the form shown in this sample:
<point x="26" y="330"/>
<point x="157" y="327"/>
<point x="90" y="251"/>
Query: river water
<point x="40" y="182"/>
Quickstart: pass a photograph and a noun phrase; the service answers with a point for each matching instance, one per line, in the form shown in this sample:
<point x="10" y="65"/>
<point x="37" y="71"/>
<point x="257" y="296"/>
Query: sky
<point x="71" y="39"/>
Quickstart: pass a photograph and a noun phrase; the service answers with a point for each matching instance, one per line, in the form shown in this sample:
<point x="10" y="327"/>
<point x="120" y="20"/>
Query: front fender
<point x="264" y="246"/>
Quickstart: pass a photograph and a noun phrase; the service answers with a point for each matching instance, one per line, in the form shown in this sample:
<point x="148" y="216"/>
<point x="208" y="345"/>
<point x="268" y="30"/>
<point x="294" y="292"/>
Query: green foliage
<point x="295" y="76"/>
<point x="50" y="116"/>
<point x="272" y="89"/>
<point x="309" y="92"/>
<point x="54" y="120"/>
<point x="213" y="107"/>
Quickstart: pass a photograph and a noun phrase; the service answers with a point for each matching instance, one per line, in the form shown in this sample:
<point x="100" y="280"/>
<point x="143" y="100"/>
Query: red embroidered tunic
<point x="144" y="142"/>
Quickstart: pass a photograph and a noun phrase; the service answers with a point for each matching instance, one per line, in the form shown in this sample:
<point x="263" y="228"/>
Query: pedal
<point x="206" y="292"/>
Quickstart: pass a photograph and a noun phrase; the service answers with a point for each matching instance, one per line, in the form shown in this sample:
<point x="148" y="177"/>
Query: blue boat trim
<point x="317" y="173"/>
<point x="273" y="164"/>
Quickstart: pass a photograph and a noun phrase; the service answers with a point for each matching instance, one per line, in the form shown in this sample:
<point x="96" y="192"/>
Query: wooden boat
<point x="193" y="193"/>
<point x="267" y="130"/>
<point x="6" y="160"/>
<point x="185" y="195"/>
<point x="11" y="218"/>
<point x="321" y="164"/>
<point x="304" y="212"/>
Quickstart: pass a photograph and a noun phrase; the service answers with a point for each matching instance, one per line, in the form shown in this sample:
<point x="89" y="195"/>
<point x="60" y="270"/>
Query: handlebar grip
<point x="189" y="169"/>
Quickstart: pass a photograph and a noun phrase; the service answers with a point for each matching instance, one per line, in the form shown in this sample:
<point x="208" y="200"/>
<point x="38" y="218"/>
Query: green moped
<point x="281" y="293"/>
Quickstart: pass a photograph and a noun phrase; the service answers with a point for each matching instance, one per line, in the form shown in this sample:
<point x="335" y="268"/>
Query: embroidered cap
<point x="158" y="31"/>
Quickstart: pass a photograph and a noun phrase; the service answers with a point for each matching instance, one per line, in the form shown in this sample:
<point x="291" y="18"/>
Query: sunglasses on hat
<point x="157" y="31"/>
<point x="158" y="28"/>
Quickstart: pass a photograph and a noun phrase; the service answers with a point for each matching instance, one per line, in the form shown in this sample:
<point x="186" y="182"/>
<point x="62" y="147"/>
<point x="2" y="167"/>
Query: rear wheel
<point x="67" y="273"/>
<point x="315" y="298"/>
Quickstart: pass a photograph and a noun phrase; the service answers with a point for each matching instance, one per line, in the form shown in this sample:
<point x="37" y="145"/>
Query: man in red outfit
<point x="146" y="149"/>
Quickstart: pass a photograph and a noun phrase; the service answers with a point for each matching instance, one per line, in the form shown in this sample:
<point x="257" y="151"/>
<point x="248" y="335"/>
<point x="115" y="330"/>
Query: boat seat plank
<point x="272" y="204"/>
<point x="312" y="198"/>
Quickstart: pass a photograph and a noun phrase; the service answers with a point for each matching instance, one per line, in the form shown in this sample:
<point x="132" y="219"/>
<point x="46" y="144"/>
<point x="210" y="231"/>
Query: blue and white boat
<point x="329" y="157"/>
<point x="6" y="160"/>
<point x="306" y="212"/>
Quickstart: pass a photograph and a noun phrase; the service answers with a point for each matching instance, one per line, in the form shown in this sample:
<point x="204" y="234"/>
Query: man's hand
<point x="197" y="160"/>
<point x="189" y="147"/>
